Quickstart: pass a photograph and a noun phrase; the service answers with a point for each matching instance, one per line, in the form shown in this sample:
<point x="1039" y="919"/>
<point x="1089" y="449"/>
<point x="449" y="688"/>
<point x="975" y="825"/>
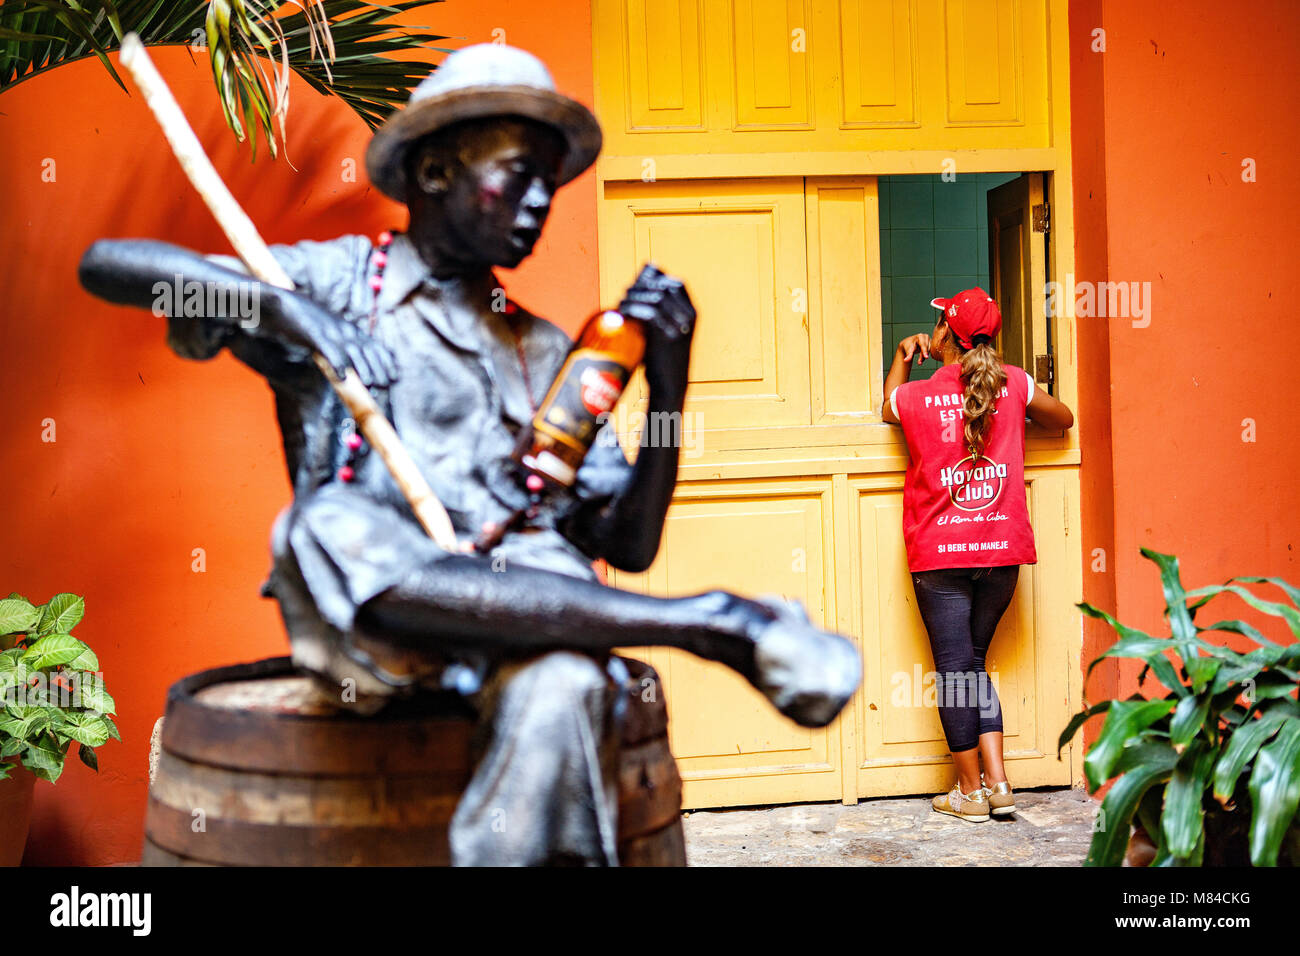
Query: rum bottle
<point x="588" y="386"/>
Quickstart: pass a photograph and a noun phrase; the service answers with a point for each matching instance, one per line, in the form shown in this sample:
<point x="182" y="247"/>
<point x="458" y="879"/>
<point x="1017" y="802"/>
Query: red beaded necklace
<point x="379" y="262"/>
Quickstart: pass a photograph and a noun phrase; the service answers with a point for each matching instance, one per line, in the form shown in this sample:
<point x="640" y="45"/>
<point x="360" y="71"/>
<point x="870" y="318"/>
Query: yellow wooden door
<point x="742" y="143"/>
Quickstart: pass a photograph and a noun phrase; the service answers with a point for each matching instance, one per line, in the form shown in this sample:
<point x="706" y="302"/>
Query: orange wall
<point x="1162" y="122"/>
<point x="156" y="456"/>
<point x="1087" y="121"/>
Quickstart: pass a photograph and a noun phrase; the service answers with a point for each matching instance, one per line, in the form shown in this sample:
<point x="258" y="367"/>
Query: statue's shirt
<point x="469" y="379"/>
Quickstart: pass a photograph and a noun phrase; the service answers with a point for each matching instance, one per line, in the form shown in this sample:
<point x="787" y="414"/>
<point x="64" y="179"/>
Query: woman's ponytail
<point x="983" y="377"/>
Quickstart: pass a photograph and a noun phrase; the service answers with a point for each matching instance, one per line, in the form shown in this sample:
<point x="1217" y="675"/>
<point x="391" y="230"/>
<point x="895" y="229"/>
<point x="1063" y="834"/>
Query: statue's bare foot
<point x="808" y="674"/>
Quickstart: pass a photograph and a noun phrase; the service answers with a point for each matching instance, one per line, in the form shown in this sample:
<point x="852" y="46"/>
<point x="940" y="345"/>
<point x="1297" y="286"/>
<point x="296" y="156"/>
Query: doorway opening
<point x="934" y="242"/>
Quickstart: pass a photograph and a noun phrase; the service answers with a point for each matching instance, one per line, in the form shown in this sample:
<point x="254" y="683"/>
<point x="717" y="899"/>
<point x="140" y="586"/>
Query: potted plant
<point x="51" y="696"/>
<point x="1207" y="773"/>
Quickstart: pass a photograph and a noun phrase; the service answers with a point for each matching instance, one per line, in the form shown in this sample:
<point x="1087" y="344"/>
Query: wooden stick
<point x="243" y="235"/>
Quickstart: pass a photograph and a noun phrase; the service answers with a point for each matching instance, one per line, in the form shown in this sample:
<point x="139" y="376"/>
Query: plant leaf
<point x="1201" y="670"/>
<point x="1292" y="592"/>
<point x="1189" y="718"/>
<point x="11" y="665"/>
<point x="1180" y="616"/>
<point x="24" y="722"/>
<point x="1110" y="839"/>
<point x="1183" y="819"/>
<point x="1274" y="794"/>
<point x="1077" y="721"/>
<point x="85" y="661"/>
<point x="1244" y="742"/>
<point x="1141" y="646"/>
<point x="17" y="614"/>
<point x="1126" y="719"/>
<point x="54" y="650"/>
<point x="93" y="697"/>
<point x="85" y="729"/>
<point x="1272" y="684"/>
<point x="1287" y="613"/>
<point x="44" y="757"/>
<point x="112" y="727"/>
<point x="1240" y="627"/>
<point x="62" y="614"/>
<point x="342" y="48"/>
<point x="88" y="758"/>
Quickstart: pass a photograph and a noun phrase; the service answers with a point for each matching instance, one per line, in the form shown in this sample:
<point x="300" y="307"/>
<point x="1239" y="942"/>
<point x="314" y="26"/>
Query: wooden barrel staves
<point x="258" y="769"/>
<point x="649" y="787"/>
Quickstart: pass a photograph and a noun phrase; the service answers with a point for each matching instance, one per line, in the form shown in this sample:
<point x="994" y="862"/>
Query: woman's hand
<point x="914" y="345"/>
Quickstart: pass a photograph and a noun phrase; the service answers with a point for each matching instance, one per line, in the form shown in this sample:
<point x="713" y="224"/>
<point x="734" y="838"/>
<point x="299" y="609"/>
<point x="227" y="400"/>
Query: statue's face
<point x="491" y="183"/>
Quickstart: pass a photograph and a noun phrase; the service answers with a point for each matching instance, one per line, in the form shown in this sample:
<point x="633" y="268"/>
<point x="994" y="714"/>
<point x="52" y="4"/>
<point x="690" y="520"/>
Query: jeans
<point x="961" y="608"/>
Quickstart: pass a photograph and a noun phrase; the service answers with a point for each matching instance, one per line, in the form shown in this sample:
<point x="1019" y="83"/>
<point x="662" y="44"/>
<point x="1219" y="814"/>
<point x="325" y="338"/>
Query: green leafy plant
<point x="1210" y="769"/>
<point x="339" y="47"/>
<point x="51" y="691"/>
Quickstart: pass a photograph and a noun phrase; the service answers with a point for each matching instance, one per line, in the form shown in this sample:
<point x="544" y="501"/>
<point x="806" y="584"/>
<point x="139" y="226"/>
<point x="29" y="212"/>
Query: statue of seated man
<point x="523" y="629"/>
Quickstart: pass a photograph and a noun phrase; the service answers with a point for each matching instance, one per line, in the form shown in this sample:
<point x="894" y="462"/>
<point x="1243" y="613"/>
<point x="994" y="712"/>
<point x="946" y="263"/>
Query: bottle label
<point x="589" y="385"/>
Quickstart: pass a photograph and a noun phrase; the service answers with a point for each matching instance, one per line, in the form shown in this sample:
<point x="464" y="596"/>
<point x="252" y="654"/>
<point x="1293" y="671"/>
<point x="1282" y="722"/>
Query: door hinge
<point x="1044" y="369"/>
<point x="1065" y="501"/>
<point x="1042" y="217"/>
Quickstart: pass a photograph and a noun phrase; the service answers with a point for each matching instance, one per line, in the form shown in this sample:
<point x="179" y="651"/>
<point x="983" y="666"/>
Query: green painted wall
<point x="933" y="242"/>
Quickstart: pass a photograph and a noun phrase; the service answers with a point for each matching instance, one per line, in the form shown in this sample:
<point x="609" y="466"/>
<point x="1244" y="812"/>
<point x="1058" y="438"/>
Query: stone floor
<point x="1050" y="828"/>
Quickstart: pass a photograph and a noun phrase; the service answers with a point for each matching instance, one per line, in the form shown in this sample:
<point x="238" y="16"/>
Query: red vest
<point x="958" y="513"/>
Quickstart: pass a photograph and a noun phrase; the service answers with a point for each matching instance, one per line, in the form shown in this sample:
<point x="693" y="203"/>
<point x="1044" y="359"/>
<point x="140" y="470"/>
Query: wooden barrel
<point x="257" y="769"/>
<point x="649" y="787"/>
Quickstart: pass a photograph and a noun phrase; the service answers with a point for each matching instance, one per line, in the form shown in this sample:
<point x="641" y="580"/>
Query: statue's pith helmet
<point x="487" y="79"/>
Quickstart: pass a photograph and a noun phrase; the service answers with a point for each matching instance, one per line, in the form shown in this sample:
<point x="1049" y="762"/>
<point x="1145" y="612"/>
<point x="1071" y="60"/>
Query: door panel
<point x="753" y="538"/>
<point x="844" y="298"/>
<point x="665" y="65"/>
<point x="878" y="59"/>
<point x="740" y="248"/>
<point x="982" y="62"/>
<point x="773" y="87"/>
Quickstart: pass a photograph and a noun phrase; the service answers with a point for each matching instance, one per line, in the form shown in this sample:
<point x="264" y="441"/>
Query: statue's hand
<point x="302" y="322"/>
<point x="808" y="674"/>
<point x="663" y="305"/>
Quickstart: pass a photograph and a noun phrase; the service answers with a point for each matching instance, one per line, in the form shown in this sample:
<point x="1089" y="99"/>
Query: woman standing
<point x="966" y="524"/>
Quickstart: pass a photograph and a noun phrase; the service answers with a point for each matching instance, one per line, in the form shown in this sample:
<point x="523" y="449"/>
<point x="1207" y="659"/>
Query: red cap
<point x="970" y="313"/>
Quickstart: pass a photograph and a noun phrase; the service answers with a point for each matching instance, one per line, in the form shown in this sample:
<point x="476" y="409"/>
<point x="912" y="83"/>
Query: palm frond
<point x="339" y="47"/>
